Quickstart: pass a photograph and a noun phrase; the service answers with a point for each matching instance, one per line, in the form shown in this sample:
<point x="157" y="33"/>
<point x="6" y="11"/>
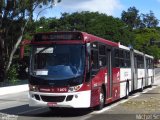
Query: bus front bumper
<point x="72" y="100"/>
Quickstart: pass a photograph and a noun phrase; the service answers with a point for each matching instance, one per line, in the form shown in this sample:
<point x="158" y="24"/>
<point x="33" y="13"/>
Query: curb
<point x="13" y="89"/>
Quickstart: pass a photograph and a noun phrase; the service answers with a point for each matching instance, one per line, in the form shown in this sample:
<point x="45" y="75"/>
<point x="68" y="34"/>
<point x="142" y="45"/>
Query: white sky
<point x="108" y="7"/>
<point x="102" y="6"/>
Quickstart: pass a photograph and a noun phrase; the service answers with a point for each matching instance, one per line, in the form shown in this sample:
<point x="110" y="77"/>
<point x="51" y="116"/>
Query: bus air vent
<point x="69" y="98"/>
<point x="53" y="98"/>
<point x="37" y="97"/>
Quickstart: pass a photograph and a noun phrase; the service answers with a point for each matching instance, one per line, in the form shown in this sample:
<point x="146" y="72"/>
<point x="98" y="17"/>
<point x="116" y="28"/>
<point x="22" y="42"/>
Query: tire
<point x="142" y="87"/>
<point x="101" y="100"/>
<point x="151" y="82"/>
<point x="127" y="91"/>
<point x="151" y="85"/>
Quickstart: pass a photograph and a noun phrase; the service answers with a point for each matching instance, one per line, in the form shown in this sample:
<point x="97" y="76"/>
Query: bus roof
<point x="138" y="52"/>
<point x="123" y="47"/>
<point x="92" y="38"/>
<point x="74" y="36"/>
<point x="149" y="56"/>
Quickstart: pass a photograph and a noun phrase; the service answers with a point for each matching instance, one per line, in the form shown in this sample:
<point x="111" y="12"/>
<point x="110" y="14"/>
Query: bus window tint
<point x="94" y="59"/>
<point x="102" y="50"/>
<point x="116" y="58"/>
<point x="127" y="62"/>
<point x="149" y="63"/>
<point x="122" y="58"/>
<point x="140" y="61"/>
<point x="102" y="56"/>
<point x="102" y="61"/>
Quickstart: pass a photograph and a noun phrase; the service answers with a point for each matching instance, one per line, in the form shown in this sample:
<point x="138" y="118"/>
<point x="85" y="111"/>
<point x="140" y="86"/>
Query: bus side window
<point x="116" y="58"/>
<point x="102" y="56"/>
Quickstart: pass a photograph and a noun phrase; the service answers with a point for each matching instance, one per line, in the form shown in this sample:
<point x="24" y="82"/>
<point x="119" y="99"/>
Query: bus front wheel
<point x="101" y="100"/>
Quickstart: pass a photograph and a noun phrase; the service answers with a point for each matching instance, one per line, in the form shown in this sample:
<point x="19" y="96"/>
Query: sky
<point x="109" y="7"/>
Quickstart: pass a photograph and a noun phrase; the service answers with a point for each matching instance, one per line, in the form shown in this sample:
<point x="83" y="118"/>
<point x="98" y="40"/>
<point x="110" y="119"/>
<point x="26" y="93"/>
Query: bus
<point x="80" y="70"/>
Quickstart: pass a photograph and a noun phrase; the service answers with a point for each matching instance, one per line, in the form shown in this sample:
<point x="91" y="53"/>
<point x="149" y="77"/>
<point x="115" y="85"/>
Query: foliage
<point x="149" y="20"/>
<point x="135" y="20"/>
<point x="14" y="17"/>
<point x="142" y="39"/>
<point x="17" y="15"/>
<point x="12" y="74"/>
<point x="104" y="26"/>
<point x="131" y="17"/>
<point x="154" y="51"/>
<point x="95" y="23"/>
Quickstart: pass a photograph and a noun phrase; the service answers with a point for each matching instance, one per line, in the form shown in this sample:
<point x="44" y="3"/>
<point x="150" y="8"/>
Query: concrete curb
<point x="13" y="89"/>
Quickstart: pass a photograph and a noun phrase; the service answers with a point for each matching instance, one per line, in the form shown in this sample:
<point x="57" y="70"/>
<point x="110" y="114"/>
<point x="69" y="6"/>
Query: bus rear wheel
<point x="127" y="91"/>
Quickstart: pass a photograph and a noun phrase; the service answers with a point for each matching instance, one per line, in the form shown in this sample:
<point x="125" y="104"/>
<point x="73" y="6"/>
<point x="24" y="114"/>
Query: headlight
<point x="33" y="88"/>
<point x="74" y="88"/>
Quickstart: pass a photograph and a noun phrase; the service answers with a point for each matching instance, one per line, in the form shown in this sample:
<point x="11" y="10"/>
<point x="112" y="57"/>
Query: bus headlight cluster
<point x="33" y="88"/>
<point x="74" y="88"/>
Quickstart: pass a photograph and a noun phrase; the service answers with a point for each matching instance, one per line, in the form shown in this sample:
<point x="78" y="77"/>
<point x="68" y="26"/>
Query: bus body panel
<point x="96" y="83"/>
<point x="141" y="77"/>
<point x="116" y="83"/>
<point x="125" y="74"/>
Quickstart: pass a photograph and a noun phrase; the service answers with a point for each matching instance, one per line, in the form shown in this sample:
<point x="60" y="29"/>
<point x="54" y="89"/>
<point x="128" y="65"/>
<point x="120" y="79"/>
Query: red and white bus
<point x="80" y="70"/>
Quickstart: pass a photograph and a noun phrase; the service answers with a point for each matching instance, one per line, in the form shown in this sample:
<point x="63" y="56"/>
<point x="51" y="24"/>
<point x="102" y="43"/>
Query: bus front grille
<point x="53" y="98"/>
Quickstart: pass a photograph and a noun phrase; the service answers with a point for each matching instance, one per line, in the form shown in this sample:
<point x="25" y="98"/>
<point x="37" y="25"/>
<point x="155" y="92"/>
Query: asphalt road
<point x="138" y="106"/>
<point x="157" y="71"/>
<point x="17" y="105"/>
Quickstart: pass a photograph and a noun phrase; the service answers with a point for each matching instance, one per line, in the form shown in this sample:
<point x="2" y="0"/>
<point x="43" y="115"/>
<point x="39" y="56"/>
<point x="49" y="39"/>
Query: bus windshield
<point x="57" y="62"/>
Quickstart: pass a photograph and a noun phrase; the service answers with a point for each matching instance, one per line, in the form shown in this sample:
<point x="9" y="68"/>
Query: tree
<point x="95" y="23"/>
<point x="131" y="17"/>
<point x="16" y="16"/>
<point x="149" y="20"/>
<point x="142" y="39"/>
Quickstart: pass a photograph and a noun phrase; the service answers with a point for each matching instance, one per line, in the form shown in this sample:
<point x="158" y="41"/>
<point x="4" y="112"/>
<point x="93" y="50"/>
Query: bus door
<point x="108" y="75"/>
<point x="135" y="73"/>
<point x="94" y="72"/>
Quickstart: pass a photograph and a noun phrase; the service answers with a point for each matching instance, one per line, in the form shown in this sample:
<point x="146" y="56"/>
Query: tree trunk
<point x="2" y="62"/>
<point x="16" y="46"/>
<point x="20" y="39"/>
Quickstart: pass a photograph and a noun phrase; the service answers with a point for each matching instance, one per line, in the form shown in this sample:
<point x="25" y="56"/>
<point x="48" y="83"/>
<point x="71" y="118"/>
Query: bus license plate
<point x="51" y="104"/>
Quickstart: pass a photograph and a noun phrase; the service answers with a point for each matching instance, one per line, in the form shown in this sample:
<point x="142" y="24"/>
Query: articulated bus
<point x="80" y="70"/>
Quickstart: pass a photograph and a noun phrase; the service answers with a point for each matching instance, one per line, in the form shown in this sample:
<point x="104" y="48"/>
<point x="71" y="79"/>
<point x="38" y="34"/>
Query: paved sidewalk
<point x="13" y="89"/>
<point x="146" y="103"/>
